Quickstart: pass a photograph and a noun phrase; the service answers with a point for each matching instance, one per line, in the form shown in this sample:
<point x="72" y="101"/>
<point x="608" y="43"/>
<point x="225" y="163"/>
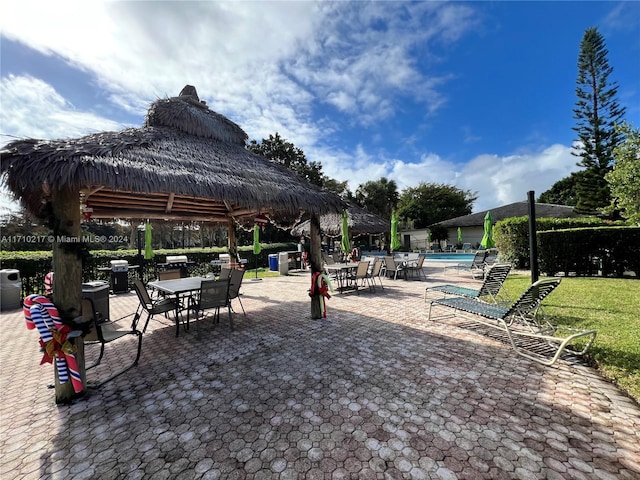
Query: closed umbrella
<point x="344" y="230"/>
<point x="395" y="237"/>
<point x="428" y="238"/>
<point x="148" y="248"/>
<point x="459" y="235"/>
<point x="487" y="238"/>
<point x="257" y="248"/>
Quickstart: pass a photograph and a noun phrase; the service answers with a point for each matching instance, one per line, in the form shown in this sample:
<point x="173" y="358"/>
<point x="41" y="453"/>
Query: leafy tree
<point x="624" y="179"/>
<point x="379" y="196"/>
<point x="21" y="231"/>
<point x="430" y="203"/>
<point x="439" y="233"/>
<point x="278" y="150"/>
<point x="563" y="192"/>
<point x="341" y="189"/>
<point x="596" y="111"/>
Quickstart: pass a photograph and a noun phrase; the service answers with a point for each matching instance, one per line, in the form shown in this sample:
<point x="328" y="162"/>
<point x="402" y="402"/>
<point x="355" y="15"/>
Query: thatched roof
<point x="517" y="209"/>
<point x="186" y="162"/>
<point x="360" y="221"/>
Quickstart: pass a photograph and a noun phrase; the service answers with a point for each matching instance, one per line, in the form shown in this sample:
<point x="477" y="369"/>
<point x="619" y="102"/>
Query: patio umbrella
<point x="344" y="230"/>
<point x="428" y="238"/>
<point x="148" y="248"/>
<point x="487" y="238"/>
<point x="395" y="238"/>
<point x="459" y="235"/>
<point x="257" y="248"/>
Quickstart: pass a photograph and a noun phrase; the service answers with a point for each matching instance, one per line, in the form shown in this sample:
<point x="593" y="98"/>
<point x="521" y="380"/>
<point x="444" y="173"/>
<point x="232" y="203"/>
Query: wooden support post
<point x="67" y="265"/>
<point x="231" y="233"/>
<point x="315" y="260"/>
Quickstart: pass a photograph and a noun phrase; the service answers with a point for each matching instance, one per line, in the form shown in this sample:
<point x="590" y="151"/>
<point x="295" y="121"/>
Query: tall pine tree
<point x="597" y="111"/>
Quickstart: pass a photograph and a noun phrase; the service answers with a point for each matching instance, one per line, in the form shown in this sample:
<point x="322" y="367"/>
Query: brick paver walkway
<point x="372" y="391"/>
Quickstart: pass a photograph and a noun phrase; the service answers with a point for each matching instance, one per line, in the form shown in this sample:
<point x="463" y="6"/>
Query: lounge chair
<point x="491" y="257"/>
<point x="476" y="266"/>
<point x="523" y="320"/>
<point x="491" y="288"/>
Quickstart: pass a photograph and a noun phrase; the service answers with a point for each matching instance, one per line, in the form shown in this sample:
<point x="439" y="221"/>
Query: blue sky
<point x="479" y="95"/>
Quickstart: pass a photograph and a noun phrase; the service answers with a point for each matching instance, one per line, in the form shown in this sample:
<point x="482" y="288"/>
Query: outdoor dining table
<point x="180" y="287"/>
<point x="344" y="274"/>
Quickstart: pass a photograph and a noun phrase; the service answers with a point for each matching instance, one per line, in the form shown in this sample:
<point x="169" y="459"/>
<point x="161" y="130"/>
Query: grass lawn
<point x="262" y="273"/>
<point x="611" y="306"/>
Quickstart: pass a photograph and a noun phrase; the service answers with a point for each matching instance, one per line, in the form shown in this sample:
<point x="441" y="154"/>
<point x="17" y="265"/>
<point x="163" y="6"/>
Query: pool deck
<point x="373" y="391"/>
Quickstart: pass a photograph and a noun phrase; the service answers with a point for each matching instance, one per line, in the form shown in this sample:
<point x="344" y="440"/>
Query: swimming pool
<point x="449" y="257"/>
<point x="434" y="257"/>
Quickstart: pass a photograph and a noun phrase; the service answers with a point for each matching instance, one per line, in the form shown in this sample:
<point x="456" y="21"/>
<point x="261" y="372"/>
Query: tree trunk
<point x="315" y="260"/>
<point x="67" y="265"/>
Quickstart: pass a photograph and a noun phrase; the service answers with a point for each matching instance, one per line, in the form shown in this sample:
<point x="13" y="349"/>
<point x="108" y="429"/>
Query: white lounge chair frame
<point x="522" y="319"/>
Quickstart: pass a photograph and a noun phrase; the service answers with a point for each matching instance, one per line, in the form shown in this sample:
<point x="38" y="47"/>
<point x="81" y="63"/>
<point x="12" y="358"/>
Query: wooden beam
<point x="144" y="214"/>
<point x="169" y="206"/>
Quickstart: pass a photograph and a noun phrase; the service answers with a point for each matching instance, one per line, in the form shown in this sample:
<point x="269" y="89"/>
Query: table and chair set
<point x="354" y="276"/>
<point x="185" y="296"/>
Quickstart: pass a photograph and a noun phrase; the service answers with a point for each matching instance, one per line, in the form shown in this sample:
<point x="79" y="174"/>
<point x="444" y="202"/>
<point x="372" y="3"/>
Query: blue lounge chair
<point x="491" y="288"/>
<point x="523" y="320"/>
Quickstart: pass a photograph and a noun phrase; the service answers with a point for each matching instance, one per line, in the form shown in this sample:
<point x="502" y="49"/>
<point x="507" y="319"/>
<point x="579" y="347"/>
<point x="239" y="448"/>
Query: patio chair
<point x="362" y="275"/>
<point x="523" y="320"/>
<point x="104" y="331"/>
<point x="169" y="274"/>
<point x="491" y="287"/>
<point x="151" y="306"/>
<point x="475" y="267"/>
<point x="225" y="273"/>
<point x="376" y="272"/>
<point x="213" y="295"/>
<point x="328" y="259"/>
<point x="166" y="275"/>
<point x="391" y="267"/>
<point x="415" y="268"/>
<point x="234" y="287"/>
<point x="491" y="257"/>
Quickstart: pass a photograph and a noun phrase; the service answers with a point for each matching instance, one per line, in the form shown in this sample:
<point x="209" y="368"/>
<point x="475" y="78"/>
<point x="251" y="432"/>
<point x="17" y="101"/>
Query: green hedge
<point x="512" y="235"/>
<point x="33" y="266"/>
<point x="606" y="251"/>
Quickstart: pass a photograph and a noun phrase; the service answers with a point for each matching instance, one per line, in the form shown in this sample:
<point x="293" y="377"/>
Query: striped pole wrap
<point x="48" y="283"/>
<point x="321" y="286"/>
<point x="41" y="314"/>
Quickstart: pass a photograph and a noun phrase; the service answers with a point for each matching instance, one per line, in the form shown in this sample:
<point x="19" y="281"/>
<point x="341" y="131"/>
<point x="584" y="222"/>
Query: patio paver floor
<point x="372" y="391"/>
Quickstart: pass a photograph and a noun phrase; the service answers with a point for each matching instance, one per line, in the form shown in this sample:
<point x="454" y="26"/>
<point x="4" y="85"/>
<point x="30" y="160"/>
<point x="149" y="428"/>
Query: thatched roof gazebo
<point x="186" y="162"/>
<point x="360" y="221"/>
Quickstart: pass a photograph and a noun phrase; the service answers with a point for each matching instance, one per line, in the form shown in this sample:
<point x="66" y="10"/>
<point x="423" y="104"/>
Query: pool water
<point x="448" y="257"/>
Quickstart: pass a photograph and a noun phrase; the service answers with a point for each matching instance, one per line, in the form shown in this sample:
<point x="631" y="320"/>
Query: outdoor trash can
<point x="10" y="289"/>
<point x="273" y="262"/>
<point x="283" y="263"/>
<point x="98" y="291"/>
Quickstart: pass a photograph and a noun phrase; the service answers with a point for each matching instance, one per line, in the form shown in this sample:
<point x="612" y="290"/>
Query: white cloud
<point x="268" y="66"/>
<point x="496" y="180"/>
<point x="33" y="109"/>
